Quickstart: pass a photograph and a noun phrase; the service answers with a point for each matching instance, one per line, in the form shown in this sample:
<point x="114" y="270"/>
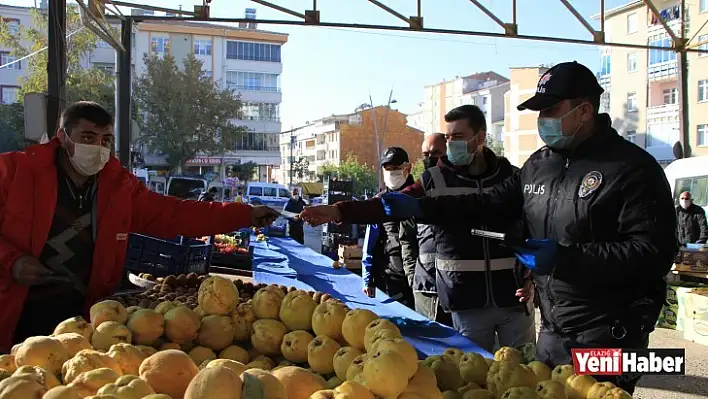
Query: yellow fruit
<point x="107" y="311"/>
<point x="454" y="353"/>
<point x="75" y="325"/>
<point x="90" y="382"/>
<point x="296" y="310"/>
<point x="379" y="335"/>
<point x="354" y="390"/>
<point x="446" y="371"/>
<point x="405" y="350"/>
<point x="235" y="352"/>
<point x="327" y="319"/>
<point x="412" y="395"/>
<point x="520" y="393"/>
<point x="468" y="387"/>
<point x="266" y="303"/>
<point x="333" y="382"/>
<point x="170" y="345"/>
<point x="267" y="336"/>
<point x="73" y="343"/>
<point x="45" y="352"/>
<point x="216" y="332"/>
<point x="215" y="383"/>
<point x="236" y="367"/>
<point x="146" y="350"/>
<point x="617" y="393"/>
<point x="217" y="296"/>
<point x="158" y="396"/>
<point x="110" y="333"/>
<point x="127" y="387"/>
<point x="298" y="382"/>
<point x="242" y="327"/>
<point x="200" y="354"/>
<point x="272" y="387"/>
<point x="375" y="325"/>
<point x="385" y="374"/>
<point x="473" y="368"/>
<point x="477" y="394"/>
<point x="577" y="386"/>
<point x="7" y="363"/>
<point x="562" y="372"/>
<point x="356" y="367"/>
<point x="294" y="346"/>
<point x="164" y="307"/>
<point x="20" y="388"/>
<point x="320" y="354"/>
<point x="245" y="310"/>
<point x="508" y="374"/>
<point x="542" y="371"/>
<point x="42" y="376"/>
<point x="343" y="358"/>
<point x="551" y="389"/>
<point x="146" y="326"/>
<point x="354" y="326"/>
<point x="169" y="372"/>
<point x="599" y="389"/>
<point x="424" y="383"/>
<point x="509" y="354"/>
<point x="182" y="325"/>
<point x="128" y="358"/>
<point x="62" y="392"/>
<point x="87" y="360"/>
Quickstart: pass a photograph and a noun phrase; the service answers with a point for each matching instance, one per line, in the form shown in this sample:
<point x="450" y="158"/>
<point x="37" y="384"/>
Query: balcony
<point x="663" y="70"/>
<point x="665" y="112"/>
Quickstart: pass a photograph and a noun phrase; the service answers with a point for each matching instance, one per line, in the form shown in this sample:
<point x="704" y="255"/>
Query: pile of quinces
<point x="276" y="345"/>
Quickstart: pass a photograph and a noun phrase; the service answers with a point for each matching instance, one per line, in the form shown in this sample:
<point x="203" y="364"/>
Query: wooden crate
<point x="350" y="256"/>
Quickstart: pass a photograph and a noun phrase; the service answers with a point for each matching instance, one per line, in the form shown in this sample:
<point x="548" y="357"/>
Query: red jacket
<point x="28" y="193"/>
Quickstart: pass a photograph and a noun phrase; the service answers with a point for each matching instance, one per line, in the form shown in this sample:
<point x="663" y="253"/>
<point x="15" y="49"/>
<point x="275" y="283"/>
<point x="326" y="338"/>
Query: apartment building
<point x="486" y="90"/>
<point x="243" y="58"/>
<point x="642" y="86"/>
<point x="331" y="140"/>
<point x="520" y="131"/>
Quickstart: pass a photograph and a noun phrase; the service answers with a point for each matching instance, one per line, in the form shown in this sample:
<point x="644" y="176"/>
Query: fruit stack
<point x="276" y="345"/>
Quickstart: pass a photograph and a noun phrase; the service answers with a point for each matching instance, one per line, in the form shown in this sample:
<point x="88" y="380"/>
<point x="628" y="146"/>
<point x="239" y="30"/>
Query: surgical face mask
<point x="429" y="162"/>
<point x="394" y="179"/>
<point x="88" y="160"/>
<point x="458" y="154"/>
<point x="296" y="197"/>
<point x="685" y="204"/>
<point x="551" y="132"/>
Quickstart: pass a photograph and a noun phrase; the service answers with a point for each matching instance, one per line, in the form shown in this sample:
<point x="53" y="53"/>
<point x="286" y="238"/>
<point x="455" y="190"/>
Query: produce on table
<point x="283" y="343"/>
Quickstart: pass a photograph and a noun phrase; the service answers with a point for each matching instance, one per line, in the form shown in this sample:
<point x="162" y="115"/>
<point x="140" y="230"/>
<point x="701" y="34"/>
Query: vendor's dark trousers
<point x="398" y="289"/>
<point x="554" y="349"/>
<point x="297" y="232"/>
<point x="40" y="317"/>
<point x="428" y="305"/>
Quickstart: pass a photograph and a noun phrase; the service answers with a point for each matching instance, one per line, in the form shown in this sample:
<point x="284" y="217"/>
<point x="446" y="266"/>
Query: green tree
<point x="12" y="126"/>
<point x="495" y="145"/>
<point x="184" y="112"/>
<point x="245" y="171"/>
<point x="81" y="83"/>
<point x="418" y="168"/>
<point x="363" y="176"/>
<point x="300" y="167"/>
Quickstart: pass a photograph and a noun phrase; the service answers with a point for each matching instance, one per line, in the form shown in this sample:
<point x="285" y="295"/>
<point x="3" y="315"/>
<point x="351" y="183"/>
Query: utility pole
<point x="682" y="59"/>
<point x="292" y="146"/>
<point x="378" y="145"/>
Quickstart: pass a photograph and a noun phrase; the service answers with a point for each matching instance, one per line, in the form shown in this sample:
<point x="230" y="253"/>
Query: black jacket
<point x="295" y="207"/>
<point x="610" y="208"/>
<point x="692" y="227"/>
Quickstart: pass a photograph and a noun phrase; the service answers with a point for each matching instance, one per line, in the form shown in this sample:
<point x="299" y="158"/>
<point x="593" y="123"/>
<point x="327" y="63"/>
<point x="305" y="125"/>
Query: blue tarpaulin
<point x="284" y="261"/>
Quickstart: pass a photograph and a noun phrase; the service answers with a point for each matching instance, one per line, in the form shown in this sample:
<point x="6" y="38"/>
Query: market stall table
<point x="285" y="262"/>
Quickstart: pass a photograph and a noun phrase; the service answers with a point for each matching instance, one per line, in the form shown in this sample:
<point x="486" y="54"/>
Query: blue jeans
<point x="510" y="326"/>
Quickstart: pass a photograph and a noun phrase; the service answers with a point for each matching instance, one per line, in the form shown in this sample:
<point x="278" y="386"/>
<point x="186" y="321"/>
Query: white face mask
<point x="685" y="203"/>
<point x="394" y="179"/>
<point x="88" y="160"/>
<point x="296" y="197"/>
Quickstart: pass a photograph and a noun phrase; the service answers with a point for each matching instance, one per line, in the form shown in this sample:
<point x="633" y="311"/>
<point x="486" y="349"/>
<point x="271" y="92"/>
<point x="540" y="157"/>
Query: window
<point x="13" y="25"/>
<point x="632" y="62"/>
<point x="631" y="136"/>
<point x="253" y="81"/>
<point x="254" y="141"/>
<point x="703" y="90"/>
<point x="8" y="94"/>
<point x="632" y="23"/>
<point x="671" y="96"/>
<point x="161" y="45"/>
<point x="283" y="193"/>
<point x="252" y="51"/>
<point x="605" y="68"/>
<point x="703" y="6"/>
<point x="202" y="47"/>
<point x="255" y="111"/>
<point x="270" y="192"/>
<point x="255" y="191"/>
<point x="106" y="67"/>
<point x="703" y="39"/>
<point x="6" y="58"/>
<point x="206" y="74"/>
<point x="702" y="135"/>
<point x="631" y="102"/>
<point x="659" y="56"/>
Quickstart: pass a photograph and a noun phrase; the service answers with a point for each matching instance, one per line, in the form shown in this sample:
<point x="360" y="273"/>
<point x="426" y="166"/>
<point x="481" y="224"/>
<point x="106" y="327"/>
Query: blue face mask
<point x="551" y="132"/>
<point x="457" y="153"/>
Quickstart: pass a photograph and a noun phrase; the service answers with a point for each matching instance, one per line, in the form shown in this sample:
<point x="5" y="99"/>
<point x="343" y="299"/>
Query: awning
<point x="311" y="188"/>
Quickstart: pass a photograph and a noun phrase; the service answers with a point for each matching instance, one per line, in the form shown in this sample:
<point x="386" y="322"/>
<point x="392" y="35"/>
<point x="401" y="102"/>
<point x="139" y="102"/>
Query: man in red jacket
<point x="66" y="209"/>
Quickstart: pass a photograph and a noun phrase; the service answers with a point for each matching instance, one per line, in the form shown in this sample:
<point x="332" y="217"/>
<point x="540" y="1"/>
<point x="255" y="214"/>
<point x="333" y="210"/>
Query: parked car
<point x="271" y="194"/>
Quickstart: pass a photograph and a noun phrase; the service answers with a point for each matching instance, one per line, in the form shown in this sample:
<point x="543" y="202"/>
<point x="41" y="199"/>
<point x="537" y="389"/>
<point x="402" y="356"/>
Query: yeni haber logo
<point x="604" y="361"/>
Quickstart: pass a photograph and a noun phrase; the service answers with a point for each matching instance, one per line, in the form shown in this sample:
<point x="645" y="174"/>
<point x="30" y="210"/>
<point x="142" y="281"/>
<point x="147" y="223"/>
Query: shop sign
<point x="204" y="161"/>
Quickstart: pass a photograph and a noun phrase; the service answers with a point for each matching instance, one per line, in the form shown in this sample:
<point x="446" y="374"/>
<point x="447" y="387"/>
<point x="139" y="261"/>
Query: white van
<point x="271" y="194"/>
<point x="689" y="174"/>
<point x="186" y="187"/>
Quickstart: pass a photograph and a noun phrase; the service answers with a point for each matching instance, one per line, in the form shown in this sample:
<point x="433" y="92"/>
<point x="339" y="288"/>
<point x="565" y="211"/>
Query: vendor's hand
<point x="538" y="255"/>
<point x="370" y="291"/>
<point x="262" y="216"/>
<point x="28" y="271"/>
<point x="320" y="214"/>
<point x="526" y="292"/>
<point x="401" y="206"/>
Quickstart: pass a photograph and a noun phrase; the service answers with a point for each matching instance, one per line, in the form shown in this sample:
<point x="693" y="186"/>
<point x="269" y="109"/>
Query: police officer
<point x="600" y="225"/>
<point x="391" y="248"/>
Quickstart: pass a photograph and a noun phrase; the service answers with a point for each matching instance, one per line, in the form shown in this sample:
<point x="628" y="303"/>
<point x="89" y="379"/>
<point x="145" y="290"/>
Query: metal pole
<point x="378" y="145"/>
<point x="682" y="59"/>
<point x="56" y="65"/>
<point x="123" y="89"/>
<point x="292" y="146"/>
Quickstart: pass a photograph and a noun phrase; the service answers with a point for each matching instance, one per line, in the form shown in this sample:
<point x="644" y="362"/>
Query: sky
<point x="333" y="70"/>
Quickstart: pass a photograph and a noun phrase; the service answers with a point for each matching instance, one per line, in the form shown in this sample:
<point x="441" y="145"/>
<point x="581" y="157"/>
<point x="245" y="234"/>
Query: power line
<point x="38" y="51"/>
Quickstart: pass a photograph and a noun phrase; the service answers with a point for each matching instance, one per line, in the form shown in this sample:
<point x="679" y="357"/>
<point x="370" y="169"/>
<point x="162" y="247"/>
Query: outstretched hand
<point x="320" y="214"/>
<point x="262" y="216"/>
